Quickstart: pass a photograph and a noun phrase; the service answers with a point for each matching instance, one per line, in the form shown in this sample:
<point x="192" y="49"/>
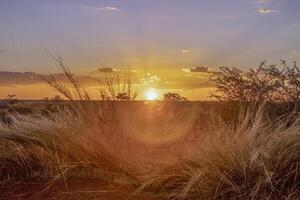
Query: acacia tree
<point x="265" y="83"/>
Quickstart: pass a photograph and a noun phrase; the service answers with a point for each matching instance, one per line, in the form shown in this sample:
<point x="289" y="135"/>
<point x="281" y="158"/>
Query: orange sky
<point x="193" y="85"/>
<point x="40" y="91"/>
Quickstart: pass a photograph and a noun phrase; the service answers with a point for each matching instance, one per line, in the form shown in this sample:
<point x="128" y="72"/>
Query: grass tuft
<point x="258" y="159"/>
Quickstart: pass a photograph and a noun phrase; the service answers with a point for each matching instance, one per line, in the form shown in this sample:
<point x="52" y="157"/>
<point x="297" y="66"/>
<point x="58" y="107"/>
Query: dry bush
<point x="258" y="159"/>
<point x="114" y="85"/>
<point x="174" y="97"/>
<point x="118" y="86"/>
<point x="265" y="83"/>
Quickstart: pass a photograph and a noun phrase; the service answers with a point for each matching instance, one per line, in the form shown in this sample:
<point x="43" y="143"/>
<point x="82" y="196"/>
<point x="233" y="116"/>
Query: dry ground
<point x="77" y="189"/>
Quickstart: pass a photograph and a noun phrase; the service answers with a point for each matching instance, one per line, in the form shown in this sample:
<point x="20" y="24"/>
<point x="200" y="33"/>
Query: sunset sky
<point x="147" y="35"/>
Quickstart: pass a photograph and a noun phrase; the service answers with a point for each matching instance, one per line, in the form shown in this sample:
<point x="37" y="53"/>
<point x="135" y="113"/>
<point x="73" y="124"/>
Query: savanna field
<point x="149" y="100"/>
<point x="243" y="146"/>
<point x="149" y="150"/>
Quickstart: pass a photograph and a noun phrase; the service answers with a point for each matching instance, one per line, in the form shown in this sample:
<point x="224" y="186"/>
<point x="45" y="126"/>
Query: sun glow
<point x="151" y="95"/>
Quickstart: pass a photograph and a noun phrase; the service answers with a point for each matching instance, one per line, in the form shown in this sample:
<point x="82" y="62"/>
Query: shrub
<point x="174" y="97"/>
<point x="12" y="99"/>
<point x="265" y="83"/>
<point x="118" y="86"/>
<point x="114" y="85"/>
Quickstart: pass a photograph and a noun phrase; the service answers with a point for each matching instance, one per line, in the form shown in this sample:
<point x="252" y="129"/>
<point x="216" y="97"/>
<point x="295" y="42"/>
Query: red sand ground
<point x="79" y="189"/>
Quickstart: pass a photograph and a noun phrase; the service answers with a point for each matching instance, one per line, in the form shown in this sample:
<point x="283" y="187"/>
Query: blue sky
<point x="148" y="34"/>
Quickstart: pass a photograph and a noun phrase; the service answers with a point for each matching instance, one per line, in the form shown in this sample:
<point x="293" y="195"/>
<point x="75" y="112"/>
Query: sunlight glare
<point x="151" y="95"/>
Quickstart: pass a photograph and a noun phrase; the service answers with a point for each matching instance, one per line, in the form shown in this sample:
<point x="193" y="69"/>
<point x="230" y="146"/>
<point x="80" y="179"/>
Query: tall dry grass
<point x="254" y="159"/>
<point x="257" y="159"/>
<point x="59" y="147"/>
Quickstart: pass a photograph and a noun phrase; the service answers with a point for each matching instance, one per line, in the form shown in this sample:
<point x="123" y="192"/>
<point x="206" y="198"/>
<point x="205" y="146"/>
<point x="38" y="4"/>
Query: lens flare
<point x="151" y="95"/>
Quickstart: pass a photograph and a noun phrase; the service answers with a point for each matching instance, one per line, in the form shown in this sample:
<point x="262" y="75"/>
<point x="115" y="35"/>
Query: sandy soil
<point x="77" y="189"/>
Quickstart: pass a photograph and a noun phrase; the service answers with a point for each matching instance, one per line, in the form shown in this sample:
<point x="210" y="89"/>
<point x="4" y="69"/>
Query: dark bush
<point x="174" y="97"/>
<point x="278" y="83"/>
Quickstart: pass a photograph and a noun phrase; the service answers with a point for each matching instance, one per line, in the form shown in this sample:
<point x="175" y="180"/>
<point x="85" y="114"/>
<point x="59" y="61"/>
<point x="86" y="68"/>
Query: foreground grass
<point x="254" y="159"/>
<point x="258" y="159"/>
<point x="62" y="145"/>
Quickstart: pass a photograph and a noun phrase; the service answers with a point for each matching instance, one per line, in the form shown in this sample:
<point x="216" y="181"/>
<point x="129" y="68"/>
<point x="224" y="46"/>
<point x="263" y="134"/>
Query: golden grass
<point x="59" y="146"/>
<point x="257" y="160"/>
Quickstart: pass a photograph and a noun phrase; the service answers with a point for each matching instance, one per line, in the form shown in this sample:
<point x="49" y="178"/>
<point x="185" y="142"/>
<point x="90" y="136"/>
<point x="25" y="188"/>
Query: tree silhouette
<point x="174" y="97"/>
<point x="265" y="83"/>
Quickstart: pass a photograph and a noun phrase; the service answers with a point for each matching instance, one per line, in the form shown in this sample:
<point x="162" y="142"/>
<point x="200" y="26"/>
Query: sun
<point x="151" y="95"/>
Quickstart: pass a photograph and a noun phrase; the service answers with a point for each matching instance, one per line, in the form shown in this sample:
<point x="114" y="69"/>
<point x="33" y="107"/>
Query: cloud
<point x="187" y="70"/>
<point x="185" y="51"/>
<point x="8" y="78"/>
<point x="17" y="78"/>
<point x="104" y="69"/>
<point x="295" y="52"/>
<point x="149" y="78"/>
<point x="265" y="11"/>
<point x="106" y="8"/>
<point x="263" y="1"/>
